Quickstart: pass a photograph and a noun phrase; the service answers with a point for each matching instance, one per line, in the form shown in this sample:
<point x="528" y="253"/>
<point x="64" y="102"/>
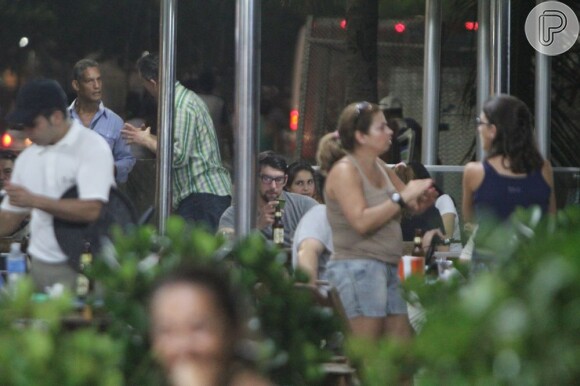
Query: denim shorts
<point x="367" y="287"/>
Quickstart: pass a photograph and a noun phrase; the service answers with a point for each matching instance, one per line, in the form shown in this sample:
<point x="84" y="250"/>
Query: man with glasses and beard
<point x="272" y="178"/>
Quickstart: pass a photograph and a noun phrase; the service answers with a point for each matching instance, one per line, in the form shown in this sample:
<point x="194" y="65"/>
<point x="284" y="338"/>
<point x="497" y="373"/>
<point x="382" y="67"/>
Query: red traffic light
<point x="6" y="140"/>
<point x="294" y="120"/>
<point x="343" y="23"/>
<point x="471" y="25"/>
<point x="400" y="28"/>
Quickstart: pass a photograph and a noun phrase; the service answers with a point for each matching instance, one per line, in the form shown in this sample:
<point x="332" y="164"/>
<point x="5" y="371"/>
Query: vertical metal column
<point x="500" y="21"/>
<point x="246" y="112"/>
<point x="483" y="63"/>
<point x="543" y="100"/>
<point x="165" y="118"/>
<point x="431" y="82"/>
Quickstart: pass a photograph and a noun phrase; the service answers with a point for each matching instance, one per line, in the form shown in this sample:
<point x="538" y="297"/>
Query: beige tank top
<point x="384" y="244"/>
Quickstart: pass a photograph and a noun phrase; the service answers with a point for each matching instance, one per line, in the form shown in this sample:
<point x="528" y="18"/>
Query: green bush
<point x="35" y="349"/>
<point x="516" y="325"/>
<point x="291" y="329"/>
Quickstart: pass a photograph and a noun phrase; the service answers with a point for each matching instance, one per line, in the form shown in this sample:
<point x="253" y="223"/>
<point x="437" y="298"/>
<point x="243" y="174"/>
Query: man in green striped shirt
<point x="201" y="186"/>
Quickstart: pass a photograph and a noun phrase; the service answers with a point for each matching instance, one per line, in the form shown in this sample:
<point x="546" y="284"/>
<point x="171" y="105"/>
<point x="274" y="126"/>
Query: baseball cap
<point x="34" y="98"/>
<point x="390" y="103"/>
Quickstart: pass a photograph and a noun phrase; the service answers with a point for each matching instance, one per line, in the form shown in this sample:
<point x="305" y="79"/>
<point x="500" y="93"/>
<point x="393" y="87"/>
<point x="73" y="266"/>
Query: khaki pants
<point x="46" y="275"/>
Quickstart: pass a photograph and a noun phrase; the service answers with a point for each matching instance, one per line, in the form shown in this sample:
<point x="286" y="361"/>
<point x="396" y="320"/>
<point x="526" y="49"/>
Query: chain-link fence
<point x="400" y="73"/>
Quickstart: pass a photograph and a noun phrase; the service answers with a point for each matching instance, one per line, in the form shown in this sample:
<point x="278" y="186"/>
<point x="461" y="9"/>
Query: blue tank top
<point x="499" y="195"/>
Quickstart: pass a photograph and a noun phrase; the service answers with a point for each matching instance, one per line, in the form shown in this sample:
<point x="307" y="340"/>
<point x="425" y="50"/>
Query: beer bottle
<point x="278" y="228"/>
<point x="418" y="261"/>
<point x="84" y="284"/>
<point x="418" y="244"/>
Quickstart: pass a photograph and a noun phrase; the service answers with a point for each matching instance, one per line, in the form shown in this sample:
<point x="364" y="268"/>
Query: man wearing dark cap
<point x="63" y="154"/>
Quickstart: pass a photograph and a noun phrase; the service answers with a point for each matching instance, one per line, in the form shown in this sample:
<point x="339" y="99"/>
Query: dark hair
<point x="7" y="155"/>
<point x="215" y="281"/>
<point x="81" y="66"/>
<point x="276" y="161"/>
<point x="206" y="81"/>
<point x="294" y="168"/>
<point x="148" y="66"/>
<point x="355" y="117"/>
<point x="419" y="171"/>
<point x="514" y="137"/>
<point x="329" y="151"/>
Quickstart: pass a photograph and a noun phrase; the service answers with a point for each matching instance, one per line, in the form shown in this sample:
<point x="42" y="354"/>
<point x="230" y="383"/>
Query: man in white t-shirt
<point x="312" y="244"/>
<point x="63" y="155"/>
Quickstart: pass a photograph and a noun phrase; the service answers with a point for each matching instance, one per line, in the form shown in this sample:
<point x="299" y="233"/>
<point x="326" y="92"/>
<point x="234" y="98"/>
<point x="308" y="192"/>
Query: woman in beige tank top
<point x="364" y="201"/>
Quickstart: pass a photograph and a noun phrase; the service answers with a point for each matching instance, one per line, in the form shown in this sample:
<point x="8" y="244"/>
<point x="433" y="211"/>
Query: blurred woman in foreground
<point x="195" y="330"/>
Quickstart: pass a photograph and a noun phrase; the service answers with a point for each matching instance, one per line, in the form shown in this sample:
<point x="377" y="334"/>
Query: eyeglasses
<point x="360" y="107"/>
<point x="363" y="106"/>
<point x="266" y="179"/>
<point x="478" y="122"/>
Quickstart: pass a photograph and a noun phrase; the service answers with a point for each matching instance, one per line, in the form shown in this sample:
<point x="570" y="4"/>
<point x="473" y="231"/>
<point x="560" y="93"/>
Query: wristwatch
<point x="397" y="199"/>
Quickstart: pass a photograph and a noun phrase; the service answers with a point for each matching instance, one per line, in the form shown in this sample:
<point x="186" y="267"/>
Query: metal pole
<point x="246" y="112"/>
<point x="543" y="99"/>
<point x="431" y="81"/>
<point x="165" y="118"/>
<point x="483" y="63"/>
<point x="501" y="14"/>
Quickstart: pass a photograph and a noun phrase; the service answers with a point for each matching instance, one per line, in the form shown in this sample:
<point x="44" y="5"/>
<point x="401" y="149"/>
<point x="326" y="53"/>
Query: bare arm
<point x="472" y="178"/>
<point x="73" y="210"/>
<point x="548" y="175"/>
<point x="308" y="252"/>
<point x="448" y="224"/>
<point x="344" y="185"/>
<point x="421" y="202"/>
<point x="141" y="136"/>
<point x="70" y="209"/>
<point x="10" y="222"/>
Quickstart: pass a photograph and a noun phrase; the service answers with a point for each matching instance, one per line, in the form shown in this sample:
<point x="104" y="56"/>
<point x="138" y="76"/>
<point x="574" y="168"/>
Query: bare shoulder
<point x="473" y="174"/>
<point x="473" y="168"/>
<point x="342" y="174"/>
<point x="547" y="167"/>
<point x="344" y="165"/>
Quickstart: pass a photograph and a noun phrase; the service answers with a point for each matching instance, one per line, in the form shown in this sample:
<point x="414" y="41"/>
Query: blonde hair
<point x="329" y="151"/>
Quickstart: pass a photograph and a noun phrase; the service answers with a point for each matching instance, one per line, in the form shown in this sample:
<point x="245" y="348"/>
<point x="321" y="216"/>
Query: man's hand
<point x="266" y="214"/>
<point x="140" y="136"/>
<point x="428" y="237"/>
<point x="19" y="196"/>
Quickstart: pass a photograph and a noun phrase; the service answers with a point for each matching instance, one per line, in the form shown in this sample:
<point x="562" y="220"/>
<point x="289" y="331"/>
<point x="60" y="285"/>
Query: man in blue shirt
<point x="89" y="110"/>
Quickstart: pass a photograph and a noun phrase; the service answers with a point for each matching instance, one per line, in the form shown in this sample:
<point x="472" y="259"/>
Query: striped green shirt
<point x="197" y="165"/>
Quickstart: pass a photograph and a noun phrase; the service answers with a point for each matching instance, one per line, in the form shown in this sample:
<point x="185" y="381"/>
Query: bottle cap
<point x="15" y="247"/>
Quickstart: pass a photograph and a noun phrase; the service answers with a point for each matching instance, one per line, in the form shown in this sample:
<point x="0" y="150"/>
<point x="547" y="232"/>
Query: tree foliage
<point x="516" y="325"/>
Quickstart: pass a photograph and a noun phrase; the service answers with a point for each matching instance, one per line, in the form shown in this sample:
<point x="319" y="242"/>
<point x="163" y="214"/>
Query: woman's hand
<point x="419" y="195"/>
